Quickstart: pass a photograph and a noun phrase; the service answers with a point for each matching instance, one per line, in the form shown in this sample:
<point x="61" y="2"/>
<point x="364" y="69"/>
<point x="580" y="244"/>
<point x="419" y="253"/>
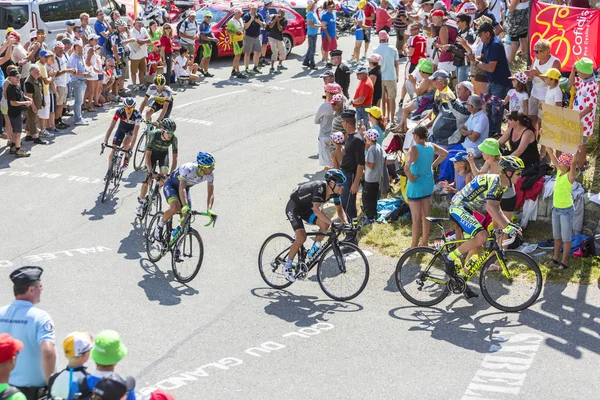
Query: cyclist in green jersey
<point x="157" y="153"/>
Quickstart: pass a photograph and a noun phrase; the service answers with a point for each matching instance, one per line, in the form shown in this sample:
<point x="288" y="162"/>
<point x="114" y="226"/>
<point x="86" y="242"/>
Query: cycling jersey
<point x="479" y="190"/>
<point x="186" y="172"/>
<point x="157" y="143"/>
<point x="127" y="124"/>
<point x="300" y="205"/>
<point x="159" y="98"/>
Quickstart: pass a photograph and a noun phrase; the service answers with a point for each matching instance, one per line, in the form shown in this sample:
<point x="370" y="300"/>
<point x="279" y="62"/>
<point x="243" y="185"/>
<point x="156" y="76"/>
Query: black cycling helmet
<point x="336" y="176"/>
<point x="160" y="80"/>
<point x="168" y="124"/>
<point x="129" y="102"/>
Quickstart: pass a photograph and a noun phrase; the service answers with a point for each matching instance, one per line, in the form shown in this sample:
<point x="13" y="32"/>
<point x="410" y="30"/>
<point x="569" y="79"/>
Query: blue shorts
<point x="120" y="136"/>
<point x="359" y="34"/>
<point x="171" y="191"/>
<point x="264" y="37"/>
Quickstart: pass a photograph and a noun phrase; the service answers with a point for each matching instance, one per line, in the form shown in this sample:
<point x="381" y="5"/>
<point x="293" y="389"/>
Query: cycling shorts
<point x="171" y="192"/>
<point x="466" y="220"/>
<point x="156" y="107"/>
<point x="264" y="37"/>
<point x="160" y="158"/>
<point x="296" y="215"/>
<point x="120" y="136"/>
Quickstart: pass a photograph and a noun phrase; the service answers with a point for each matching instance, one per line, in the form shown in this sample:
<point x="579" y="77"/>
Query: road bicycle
<point x="509" y="280"/>
<point x="342" y="268"/>
<point x="153" y="200"/>
<point x="187" y="249"/>
<point x="115" y="169"/>
<point x="139" y="155"/>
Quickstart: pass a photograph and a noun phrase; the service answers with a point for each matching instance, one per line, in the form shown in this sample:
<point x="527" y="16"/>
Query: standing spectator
<point x="277" y="26"/>
<point x="77" y="347"/>
<point x="377" y="122"/>
<point x="337" y="138"/>
<point x="359" y="31"/>
<point x="61" y="78"/>
<point x="543" y="62"/>
<point x="155" y="33"/>
<point x="384" y="18"/>
<point x="369" y="10"/>
<point x="375" y="77"/>
<point x="338" y="102"/>
<point x="188" y="32"/>
<point x="46" y="80"/>
<point x="495" y="65"/>
<point x="399" y="25"/>
<point x="102" y="29"/>
<point x="139" y="52"/>
<point x="206" y="40"/>
<point x="265" y="13"/>
<point x="416" y="48"/>
<point x="112" y="387"/>
<point x="235" y="30"/>
<point x="517" y="97"/>
<point x="329" y="35"/>
<point x="87" y="29"/>
<point x="252" y="25"/>
<point x="17" y="103"/>
<point x="78" y="82"/>
<point x="32" y="326"/>
<point x="118" y="39"/>
<point x="494" y="16"/>
<point x="516" y="26"/>
<point x="51" y="73"/>
<point x="586" y="100"/>
<point x="69" y="26"/>
<point x="363" y="97"/>
<point x="390" y="72"/>
<point x="107" y="352"/>
<point x="448" y="32"/>
<point x="324" y="117"/>
<point x="312" y="32"/>
<point x="166" y="41"/>
<point x="419" y="168"/>
<point x="342" y="72"/>
<point x="34" y="90"/>
<point x="9" y="350"/>
<point x="554" y="96"/>
<point x="115" y="16"/>
<point x="328" y="77"/>
<point x="78" y="36"/>
<point x="467" y="37"/>
<point x="38" y="36"/>
<point x="353" y="165"/>
<point x="90" y="60"/>
<point x="374" y="161"/>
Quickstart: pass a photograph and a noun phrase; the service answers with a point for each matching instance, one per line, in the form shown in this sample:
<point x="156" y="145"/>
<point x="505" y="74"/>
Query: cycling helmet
<point x="129" y="102"/>
<point x="160" y="80"/>
<point x="336" y="176"/>
<point x="512" y="163"/>
<point x="168" y="124"/>
<point x="205" y="160"/>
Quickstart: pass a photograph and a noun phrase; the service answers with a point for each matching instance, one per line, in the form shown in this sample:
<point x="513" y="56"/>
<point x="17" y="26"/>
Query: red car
<point x="293" y="35"/>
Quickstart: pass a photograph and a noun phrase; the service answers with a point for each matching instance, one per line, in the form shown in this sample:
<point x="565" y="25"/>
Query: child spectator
<point x="77" y="347"/>
<point x="517" y="97"/>
<point x="184" y="67"/>
<point x="490" y="151"/>
<point x="562" y="204"/>
<point x="155" y="63"/>
<point x="586" y="99"/>
<point x="373" y="174"/>
<point x="337" y="138"/>
<point x="554" y="95"/>
<point x="377" y="122"/>
<point x="462" y="173"/>
<point x="110" y="86"/>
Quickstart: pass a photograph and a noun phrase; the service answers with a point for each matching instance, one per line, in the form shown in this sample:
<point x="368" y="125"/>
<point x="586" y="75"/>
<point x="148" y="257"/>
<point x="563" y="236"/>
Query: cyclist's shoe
<point x="449" y="267"/>
<point x="470" y="294"/>
<point x="139" y="209"/>
<point x="177" y="255"/>
<point x="158" y="233"/>
<point x="289" y="273"/>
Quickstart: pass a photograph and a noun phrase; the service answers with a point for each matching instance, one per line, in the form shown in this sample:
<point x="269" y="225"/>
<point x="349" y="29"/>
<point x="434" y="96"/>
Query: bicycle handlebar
<point x="212" y="216"/>
<point x="113" y="147"/>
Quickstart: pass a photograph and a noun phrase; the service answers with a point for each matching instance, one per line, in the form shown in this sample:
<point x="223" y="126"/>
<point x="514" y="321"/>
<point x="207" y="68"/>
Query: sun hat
<point x="460" y="156"/>
<point x="375" y="58"/>
<point x="9" y="347"/>
<point x="108" y="348"/>
<point x="552" y="73"/>
<point x="425" y="65"/>
<point x="362" y="4"/>
<point x="468" y="85"/>
<point x="159" y="394"/>
<point x="439" y="5"/>
<point x="440" y="73"/>
<point x="77" y="343"/>
<point x="333" y="88"/>
<point x="69" y="23"/>
<point x="58" y="44"/>
<point x="327" y="74"/>
<point x="113" y="387"/>
<point x="383" y="35"/>
<point x="438" y="13"/>
<point x="522" y="77"/>
<point x="372" y="134"/>
<point x="374" y="111"/>
<point x="566" y="158"/>
<point x="9" y="30"/>
<point x="361" y="70"/>
<point x="44" y="53"/>
<point x="490" y="147"/>
<point x="337" y="98"/>
<point x="337" y="137"/>
<point x="585" y="66"/>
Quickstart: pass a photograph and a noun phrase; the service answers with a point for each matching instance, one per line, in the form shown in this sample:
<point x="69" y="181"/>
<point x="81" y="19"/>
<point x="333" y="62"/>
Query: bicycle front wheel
<point x="109" y="178"/>
<point x="187" y="255"/>
<point x="271" y="260"/>
<point x="154" y="248"/>
<point x="343" y="271"/>
<point x="420" y="277"/>
<point x="140" y="152"/>
<point x="511" y="282"/>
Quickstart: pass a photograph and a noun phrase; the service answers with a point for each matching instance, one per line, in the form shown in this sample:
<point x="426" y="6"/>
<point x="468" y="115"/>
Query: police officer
<point x="34" y="327"/>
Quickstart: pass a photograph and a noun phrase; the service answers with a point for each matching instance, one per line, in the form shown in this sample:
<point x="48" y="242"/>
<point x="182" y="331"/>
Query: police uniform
<point x="31" y="325"/>
<point x="342" y="73"/>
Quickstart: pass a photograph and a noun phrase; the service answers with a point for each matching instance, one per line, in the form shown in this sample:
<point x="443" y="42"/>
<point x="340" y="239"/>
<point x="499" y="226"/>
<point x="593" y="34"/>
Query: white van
<point x="50" y="15"/>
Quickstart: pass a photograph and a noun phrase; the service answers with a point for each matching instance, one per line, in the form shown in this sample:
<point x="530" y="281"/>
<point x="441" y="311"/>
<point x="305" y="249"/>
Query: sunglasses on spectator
<point x="79" y="31"/>
<point x="536" y="51"/>
<point x="208" y="16"/>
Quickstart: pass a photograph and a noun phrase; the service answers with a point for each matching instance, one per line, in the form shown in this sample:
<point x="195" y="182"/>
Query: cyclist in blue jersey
<point x="129" y="120"/>
<point x="177" y="189"/>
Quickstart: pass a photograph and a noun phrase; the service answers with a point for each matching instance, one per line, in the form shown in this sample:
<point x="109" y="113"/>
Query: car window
<point x="13" y="16"/>
<point x="217" y="15"/>
<point x="84" y="6"/>
<point x="290" y="16"/>
<point x="56" y="11"/>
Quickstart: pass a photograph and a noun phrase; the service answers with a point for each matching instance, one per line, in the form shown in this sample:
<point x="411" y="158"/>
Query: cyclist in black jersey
<point x="157" y="153"/>
<point x="129" y="120"/>
<point x="306" y="204"/>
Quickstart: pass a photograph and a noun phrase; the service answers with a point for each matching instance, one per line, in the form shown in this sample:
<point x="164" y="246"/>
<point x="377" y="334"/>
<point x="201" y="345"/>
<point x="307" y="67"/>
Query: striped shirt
<point x="398" y="23"/>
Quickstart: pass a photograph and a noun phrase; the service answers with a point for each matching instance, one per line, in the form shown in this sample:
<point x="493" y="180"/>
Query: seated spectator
<point x="77" y="347"/>
<point x="459" y="105"/>
<point x="490" y="152"/>
<point x="155" y="62"/>
<point x="184" y="66"/>
<point x="476" y="129"/>
<point x="462" y="173"/>
<point x="110" y="87"/>
<point x="520" y="136"/>
<point x="420" y="86"/>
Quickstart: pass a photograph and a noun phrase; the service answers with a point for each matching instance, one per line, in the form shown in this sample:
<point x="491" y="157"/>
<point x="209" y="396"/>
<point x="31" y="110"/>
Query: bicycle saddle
<point x="435" y="220"/>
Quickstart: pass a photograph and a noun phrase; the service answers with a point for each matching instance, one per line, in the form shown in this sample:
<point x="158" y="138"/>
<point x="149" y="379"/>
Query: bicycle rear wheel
<point x="154" y="248"/>
<point x="271" y="260"/>
<point x="108" y="180"/>
<point x="512" y="282"/>
<point x="343" y="271"/>
<point x="187" y="255"/>
<point x="420" y="277"/>
<point x="140" y="152"/>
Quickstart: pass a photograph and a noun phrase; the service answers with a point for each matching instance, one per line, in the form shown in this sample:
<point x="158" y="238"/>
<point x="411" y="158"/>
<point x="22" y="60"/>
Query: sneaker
<point x="21" y="153"/>
<point x="139" y="209"/>
<point x="208" y="74"/>
<point x="329" y="65"/>
<point x="363" y="58"/>
<point x="289" y="273"/>
<point x="158" y="233"/>
<point x="13" y="149"/>
<point x="61" y="125"/>
<point x="28" y="138"/>
<point x="312" y="66"/>
<point x="256" y="70"/>
<point x="248" y="71"/>
<point x="201" y="71"/>
<point x="67" y="113"/>
<point x="281" y="67"/>
<point x="470" y="294"/>
<point x="546" y="245"/>
<point x="46" y="133"/>
<point x="272" y="70"/>
<point x="234" y="74"/>
<point x="305" y="64"/>
<point x="82" y="122"/>
<point x="40" y="141"/>
<point x="241" y="75"/>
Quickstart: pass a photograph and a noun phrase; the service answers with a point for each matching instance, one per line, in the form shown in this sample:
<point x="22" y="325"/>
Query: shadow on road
<point x="303" y="311"/>
<point x="134" y="243"/>
<point x="101" y="209"/>
<point x="159" y="286"/>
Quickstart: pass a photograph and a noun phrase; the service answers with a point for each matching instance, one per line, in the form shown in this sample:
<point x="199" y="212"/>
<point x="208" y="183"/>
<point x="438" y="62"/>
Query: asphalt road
<point x="226" y="335"/>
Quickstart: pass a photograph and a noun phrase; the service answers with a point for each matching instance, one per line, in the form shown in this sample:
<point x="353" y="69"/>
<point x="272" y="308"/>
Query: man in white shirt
<point x="61" y="79"/>
<point x="138" y="52"/>
<point x="188" y="33"/>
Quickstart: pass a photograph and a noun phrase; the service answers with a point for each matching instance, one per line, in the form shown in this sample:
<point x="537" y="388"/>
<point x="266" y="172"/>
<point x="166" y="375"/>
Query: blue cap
<point x="460" y="156"/>
<point x="362" y="70"/>
<point x="44" y="53"/>
<point x="71" y="23"/>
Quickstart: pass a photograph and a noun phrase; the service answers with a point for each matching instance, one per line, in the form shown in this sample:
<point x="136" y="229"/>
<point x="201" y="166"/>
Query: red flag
<point x="573" y="32"/>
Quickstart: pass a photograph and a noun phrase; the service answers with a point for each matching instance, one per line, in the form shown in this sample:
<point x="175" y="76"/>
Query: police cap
<point x="348" y="114"/>
<point x="335" y="53"/>
<point x="27" y="274"/>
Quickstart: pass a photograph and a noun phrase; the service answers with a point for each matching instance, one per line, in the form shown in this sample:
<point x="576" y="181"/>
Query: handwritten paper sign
<point x="561" y="128"/>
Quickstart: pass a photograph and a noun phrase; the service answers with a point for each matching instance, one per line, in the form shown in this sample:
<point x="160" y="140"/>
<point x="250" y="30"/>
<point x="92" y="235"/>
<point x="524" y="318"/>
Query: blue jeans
<point x="362" y="115"/>
<point x="349" y="199"/>
<point x="309" y="58"/>
<point x="495" y="114"/>
<point x="78" y="91"/>
<point x="169" y="62"/>
<point x="562" y="223"/>
<point x="462" y="73"/>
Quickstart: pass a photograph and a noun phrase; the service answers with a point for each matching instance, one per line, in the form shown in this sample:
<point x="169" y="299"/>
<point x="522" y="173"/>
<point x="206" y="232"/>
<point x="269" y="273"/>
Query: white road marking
<point x="207" y="98"/>
<point x="193" y="121"/>
<point x="54" y="255"/>
<point x="300" y="92"/>
<point x="46" y="175"/>
<point x="295" y="79"/>
<point x="76" y="147"/>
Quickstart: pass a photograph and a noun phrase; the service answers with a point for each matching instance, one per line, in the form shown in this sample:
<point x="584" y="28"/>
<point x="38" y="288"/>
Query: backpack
<point x="9" y="391"/>
<point x="590" y="246"/>
<point x="85" y="393"/>
<point x="185" y="20"/>
<point x="55" y="375"/>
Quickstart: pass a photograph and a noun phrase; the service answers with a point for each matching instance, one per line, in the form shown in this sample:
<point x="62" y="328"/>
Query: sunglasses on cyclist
<point x="129" y="108"/>
<point x="168" y="132"/>
<point x="208" y="166"/>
